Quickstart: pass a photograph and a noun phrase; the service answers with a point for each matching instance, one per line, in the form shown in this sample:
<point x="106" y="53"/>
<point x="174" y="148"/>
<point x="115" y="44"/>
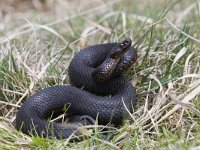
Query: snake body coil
<point x="87" y="96"/>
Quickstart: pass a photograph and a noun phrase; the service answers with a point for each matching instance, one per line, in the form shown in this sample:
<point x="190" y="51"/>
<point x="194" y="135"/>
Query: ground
<point x="38" y="38"/>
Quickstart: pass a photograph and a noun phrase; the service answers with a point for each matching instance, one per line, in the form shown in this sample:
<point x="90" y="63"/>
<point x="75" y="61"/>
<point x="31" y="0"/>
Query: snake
<point x="99" y="93"/>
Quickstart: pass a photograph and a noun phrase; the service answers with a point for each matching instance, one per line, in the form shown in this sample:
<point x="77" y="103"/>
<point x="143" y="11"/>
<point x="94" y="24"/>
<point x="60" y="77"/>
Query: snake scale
<point x="94" y="73"/>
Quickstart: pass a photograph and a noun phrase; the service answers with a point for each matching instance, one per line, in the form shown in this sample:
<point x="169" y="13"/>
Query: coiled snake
<point x="95" y="73"/>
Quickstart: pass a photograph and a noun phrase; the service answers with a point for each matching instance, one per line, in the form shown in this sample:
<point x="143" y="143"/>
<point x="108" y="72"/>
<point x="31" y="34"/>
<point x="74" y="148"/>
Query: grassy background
<point x="39" y="38"/>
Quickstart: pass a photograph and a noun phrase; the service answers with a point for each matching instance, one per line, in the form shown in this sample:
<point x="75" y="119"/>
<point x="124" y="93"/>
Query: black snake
<point x="94" y="73"/>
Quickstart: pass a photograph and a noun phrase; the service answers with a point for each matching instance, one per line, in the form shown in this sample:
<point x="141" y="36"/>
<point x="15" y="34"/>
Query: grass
<point x="37" y="46"/>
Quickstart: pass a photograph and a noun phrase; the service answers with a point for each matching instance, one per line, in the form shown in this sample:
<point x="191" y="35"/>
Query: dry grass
<point x="39" y="39"/>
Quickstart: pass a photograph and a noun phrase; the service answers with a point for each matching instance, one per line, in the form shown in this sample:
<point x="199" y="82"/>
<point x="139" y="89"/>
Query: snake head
<point x="118" y="51"/>
<point x="120" y="58"/>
